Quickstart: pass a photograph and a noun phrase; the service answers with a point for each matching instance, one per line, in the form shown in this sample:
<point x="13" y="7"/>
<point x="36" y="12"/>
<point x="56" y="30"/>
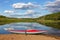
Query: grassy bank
<point x="12" y="20"/>
<point x="51" y="23"/>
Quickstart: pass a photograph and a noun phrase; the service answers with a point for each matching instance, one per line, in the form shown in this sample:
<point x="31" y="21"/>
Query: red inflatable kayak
<point x="29" y="31"/>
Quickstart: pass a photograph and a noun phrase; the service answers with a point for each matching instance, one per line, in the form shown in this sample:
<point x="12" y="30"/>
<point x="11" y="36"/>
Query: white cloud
<point x="8" y="11"/>
<point x="57" y="0"/>
<point x="28" y="5"/>
<point x="29" y="12"/>
<point x="53" y="6"/>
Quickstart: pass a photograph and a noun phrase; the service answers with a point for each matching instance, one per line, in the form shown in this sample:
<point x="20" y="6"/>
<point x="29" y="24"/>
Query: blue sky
<point x="24" y="8"/>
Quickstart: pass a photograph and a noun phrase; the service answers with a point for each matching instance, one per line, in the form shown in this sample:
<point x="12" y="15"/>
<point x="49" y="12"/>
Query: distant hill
<point x="53" y="16"/>
<point x="2" y="16"/>
<point x="7" y="20"/>
<point x="52" y="20"/>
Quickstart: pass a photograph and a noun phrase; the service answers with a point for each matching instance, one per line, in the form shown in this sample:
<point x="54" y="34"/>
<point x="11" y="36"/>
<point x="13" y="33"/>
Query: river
<point x="33" y="25"/>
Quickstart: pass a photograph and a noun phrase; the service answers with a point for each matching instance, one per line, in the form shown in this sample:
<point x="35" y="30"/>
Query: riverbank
<point x="14" y="20"/>
<point x="27" y="37"/>
<point x="51" y="23"/>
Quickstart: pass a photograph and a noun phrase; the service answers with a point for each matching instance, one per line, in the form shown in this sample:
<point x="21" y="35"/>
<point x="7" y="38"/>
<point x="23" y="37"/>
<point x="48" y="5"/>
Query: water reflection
<point x="23" y="26"/>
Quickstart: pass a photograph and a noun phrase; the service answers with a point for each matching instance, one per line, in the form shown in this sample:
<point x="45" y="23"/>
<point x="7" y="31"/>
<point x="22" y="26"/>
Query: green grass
<point x="51" y="23"/>
<point x="12" y="20"/>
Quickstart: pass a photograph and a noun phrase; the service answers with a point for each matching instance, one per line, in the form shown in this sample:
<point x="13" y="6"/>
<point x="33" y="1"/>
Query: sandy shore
<point x="27" y="37"/>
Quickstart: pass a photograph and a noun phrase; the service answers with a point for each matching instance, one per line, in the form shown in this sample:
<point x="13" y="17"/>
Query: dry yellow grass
<point x="26" y="37"/>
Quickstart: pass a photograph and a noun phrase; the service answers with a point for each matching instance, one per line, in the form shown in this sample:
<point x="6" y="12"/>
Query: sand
<point x="27" y="37"/>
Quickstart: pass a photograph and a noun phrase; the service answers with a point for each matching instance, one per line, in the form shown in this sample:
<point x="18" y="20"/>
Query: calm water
<point x="23" y="26"/>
